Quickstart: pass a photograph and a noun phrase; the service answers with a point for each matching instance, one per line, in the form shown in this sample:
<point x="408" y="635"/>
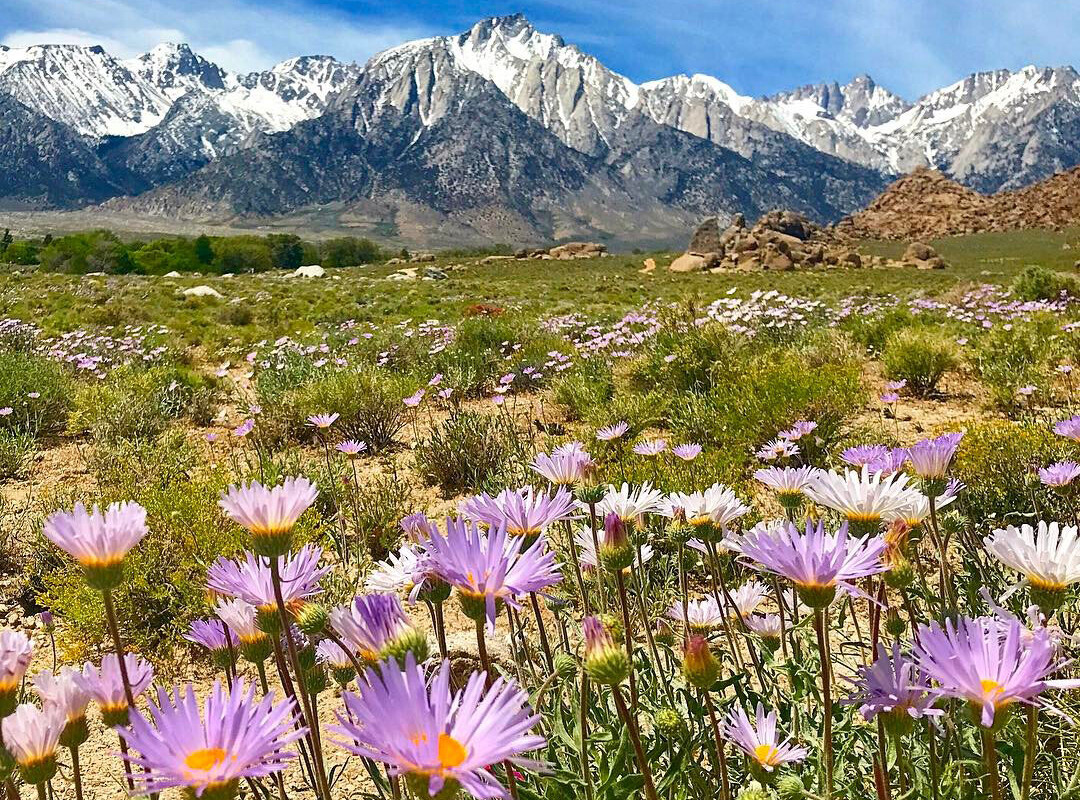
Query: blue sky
<point x="758" y="46"/>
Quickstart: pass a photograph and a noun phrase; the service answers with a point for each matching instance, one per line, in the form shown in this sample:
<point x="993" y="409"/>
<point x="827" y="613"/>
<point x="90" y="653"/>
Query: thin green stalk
<point x="76" y="773"/>
<point x="1030" y="745"/>
<point x="635" y="740"/>
<point x="583" y="713"/>
<point x="991" y="786"/>
<point x="826" y="694"/>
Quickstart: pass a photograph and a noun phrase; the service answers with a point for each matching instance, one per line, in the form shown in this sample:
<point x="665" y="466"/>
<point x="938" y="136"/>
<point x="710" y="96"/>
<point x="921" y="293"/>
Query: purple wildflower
<point x="758" y="739"/>
<point x="1059" y="474"/>
<point x="523" y="512"/>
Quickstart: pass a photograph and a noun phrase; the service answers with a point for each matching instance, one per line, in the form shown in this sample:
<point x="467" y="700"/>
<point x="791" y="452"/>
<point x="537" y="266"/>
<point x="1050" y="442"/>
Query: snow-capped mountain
<point x="550" y="111"/>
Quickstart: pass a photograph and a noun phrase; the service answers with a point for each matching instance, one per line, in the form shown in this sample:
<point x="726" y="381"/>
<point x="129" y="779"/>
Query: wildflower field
<point x="544" y="530"/>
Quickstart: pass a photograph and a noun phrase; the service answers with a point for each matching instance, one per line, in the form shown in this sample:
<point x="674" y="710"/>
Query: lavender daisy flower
<point x="1060" y="474"/>
<point x="895" y="687"/>
<point x="572" y="448"/>
<point x="748" y="597"/>
<point x="106" y="684"/>
<point x="1069" y="428"/>
<point x="376" y="628"/>
<point x="863" y="498"/>
<point x="242" y="621"/>
<point x="269" y="514"/>
<point x="703" y="615"/>
<point x="1048" y="557"/>
<point x="864" y="455"/>
<point x="709" y="513"/>
<point x="31" y="735"/>
<point x="398" y="573"/>
<point x="417" y="527"/>
<point x="650" y="447"/>
<point x="322" y="421"/>
<point x="889" y="398"/>
<point x="631" y="504"/>
<point x="523" y="512"/>
<point x="789" y="483"/>
<point x="758" y="739"/>
<point x="63" y="693"/>
<point x="767" y="626"/>
<point x="777" y="449"/>
<point x="15" y="655"/>
<point x="235" y="737"/>
<point x="916" y="510"/>
<point x="566" y="469"/>
<point x="209" y="633"/>
<point x="338" y="661"/>
<point x="797" y="431"/>
<point x="930" y="458"/>
<point x="250" y="580"/>
<point x="351" y="448"/>
<point x="987" y="662"/>
<point x="244" y="428"/>
<point x="435" y="738"/>
<point x="687" y="452"/>
<point x="610" y="433"/>
<point x="490" y="569"/>
<point x="98" y="541"/>
<point x="815" y="561"/>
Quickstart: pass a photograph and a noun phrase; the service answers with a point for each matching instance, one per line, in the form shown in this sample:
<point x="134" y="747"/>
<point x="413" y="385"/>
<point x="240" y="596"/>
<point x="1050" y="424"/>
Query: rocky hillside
<point x="927" y="204"/>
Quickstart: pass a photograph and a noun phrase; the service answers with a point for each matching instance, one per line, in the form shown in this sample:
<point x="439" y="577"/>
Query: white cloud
<point x="238" y="34"/>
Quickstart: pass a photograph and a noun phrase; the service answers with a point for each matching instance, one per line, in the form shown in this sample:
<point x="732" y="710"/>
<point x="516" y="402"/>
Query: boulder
<point x="778" y="261"/>
<point x="395" y="261"/>
<point x="706" y="238"/>
<point x="648" y="266"/>
<point x="434" y="274"/>
<point x="917" y="251"/>
<point x="851" y="258"/>
<point x="789" y="223"/>
<point x="173" y="274"/>
<point x="687" y="262"/>
<point x="577" y="250"/>
<point x="495" y="259"/>
<point x="937" y="262"/>
<point x="202" y="291"/>
<point x="422" y="258"/>
<point x="310" y="271"/>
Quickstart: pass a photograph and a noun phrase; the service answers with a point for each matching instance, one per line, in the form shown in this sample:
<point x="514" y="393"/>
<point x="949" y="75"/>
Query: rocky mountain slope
<point x="572" y="146"/>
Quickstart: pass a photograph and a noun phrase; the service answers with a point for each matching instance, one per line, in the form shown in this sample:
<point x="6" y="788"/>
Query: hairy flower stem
<point x="597" y="573"/>
<point x="820" y="626"/>
<point x="314" y="735"/>
<point x="649" y="631"/>
<point x="41" y="791"/>
<point x="485" y="662"/>
<point x="635" y="740"/>
<point x="628" y="639"/>
<point x="545" y="645"/>
<point x="76" y="773"/>
<point x="575" y="559"/>
<point x="440" y="630"/>
<point x="883" y="760"/>
<point x="948" y="591"/>
<point x="991" y="787"/>
<point x="583" y="715"/>
<point x="118" y="646"/>
<point x="721" y="759"/>
<point x="1030" y="744"/>
<point x="684" y="591"/>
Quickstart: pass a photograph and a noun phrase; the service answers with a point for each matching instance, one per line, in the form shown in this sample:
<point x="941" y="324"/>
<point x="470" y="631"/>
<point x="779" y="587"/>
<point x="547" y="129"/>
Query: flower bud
<point x="754" y="791"/>
<point x="790" y="787"/>
<point x="411" y="640"/>
<point x="894" y="623"/>
<point x="669" y="723"/>
<point x="605" y="662"/>
<point x="699" y="665"/>
<point x="566" y="666"/>
<point x="616" y="552"/>
<point x="591" y="494"/>
<point x="901" y="573"/>
<point x="312" y="618"/>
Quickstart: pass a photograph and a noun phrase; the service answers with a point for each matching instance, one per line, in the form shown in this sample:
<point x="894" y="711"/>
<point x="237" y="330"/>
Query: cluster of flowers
<point x="94" y="353"/>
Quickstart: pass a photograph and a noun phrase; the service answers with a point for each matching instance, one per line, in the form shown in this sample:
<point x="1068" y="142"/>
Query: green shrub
<point x="689" y="359"/>
<point x="590" y="386"/>
<point x="1007" y="359"/>
<point x="921" y="356"/>
<point x="996" y="460"/>
<point x="1041" y="283"/>
<point x="472" y="452"/>
<point x="138" y="404"/>
<point x="368" y="400"/>
<point x="376" y="509"/>
<point x="16" y="450"/>
<point x="872" y="331"/>
<point x="23" y="375"/>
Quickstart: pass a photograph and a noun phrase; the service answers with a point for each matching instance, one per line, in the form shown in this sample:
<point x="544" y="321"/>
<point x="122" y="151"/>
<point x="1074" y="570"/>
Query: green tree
<point x="204" y="251"/>
<point x="6" y="240"/>
<point x="286" y="250"/>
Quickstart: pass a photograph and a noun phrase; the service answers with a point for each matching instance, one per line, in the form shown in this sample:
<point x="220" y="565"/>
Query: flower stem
<point x="826" y="694"/>
<point x="635" y="740"/>
<point x="721" y="759"/>
<point x="129" y="695"/>
<point x="545" y="646"/>
<point x="991" y="788"/>
<point x="628" y="639"/>
<point x="1030" y="744"/>
<point x="76" y="773"/>
<point x="586" y="769"/>
<point x="485" y="662"/>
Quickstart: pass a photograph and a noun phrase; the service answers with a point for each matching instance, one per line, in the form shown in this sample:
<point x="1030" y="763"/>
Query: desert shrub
<point x="139" y="404"/>
<point x="771" y="395"/>
<point x="23" y="375"/>
<point x="16" y="450"/>
<point x="638" y="411"/>
<point x="376" y="509"/>
<point x="471" y="452"/>
<point x="1007" y="359"/>
<point x="588" y="387"/>
<point x="996" y="460"/>
<point x="872" y="331"/>
<point x="921" y="356"/>
<point x="689" y="359"/>
<point x="368" y="400"/>
<point x="1037" y="282"/>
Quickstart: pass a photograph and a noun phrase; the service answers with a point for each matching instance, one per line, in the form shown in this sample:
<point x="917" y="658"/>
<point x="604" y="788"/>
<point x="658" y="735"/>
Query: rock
<point x="937" y="262"/>
<point x="434" y="274"/>
<point x="745" y="244"/>
<point x="173" y="274"/>
<point x="778" y="262"/>
<point x="422" y="258"/>
<point x="706" y="238"/>
<point x="687" y="262"/>
<point x="577" y="250"/>
<point x="648" y="266"/>
<point x="521" y="252"/>
<point x="311" y="271"/>
<point x="789" y="223"/>
<point x="495" y="259"/>
<point x="408" y="274"/>
<point x="202" y="291"/>
<point x="712" y="260"/>
<point x="917" y="251"/>
<point x="851" y="258"/>
<point x="395" y="261"/>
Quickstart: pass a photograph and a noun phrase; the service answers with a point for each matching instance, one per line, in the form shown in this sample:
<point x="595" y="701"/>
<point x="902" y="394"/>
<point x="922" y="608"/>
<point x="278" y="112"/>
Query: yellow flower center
<point x="1046" y="585"/>
<point x="205" y="759"/>
<point x="992" y="690"/>
<point x="451" y="752"/>
<point x="766" y="754"/>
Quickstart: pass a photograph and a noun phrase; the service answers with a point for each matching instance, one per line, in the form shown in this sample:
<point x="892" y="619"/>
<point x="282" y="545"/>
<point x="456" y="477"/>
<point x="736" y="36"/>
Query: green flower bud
<point x="669" y="723"/>
<point x="754" y="791"/>
<point x="566" y="666"/>
<point x="790" y="787"/>
<point x="816" y="596"/>
<point x="410" y="641"/>
<point x="895" y="625"/>
<point x="605" y="662"/>
<point x="901" y="574"/>
<point x="312" y="618"/>
<point x="699" y="664"/>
